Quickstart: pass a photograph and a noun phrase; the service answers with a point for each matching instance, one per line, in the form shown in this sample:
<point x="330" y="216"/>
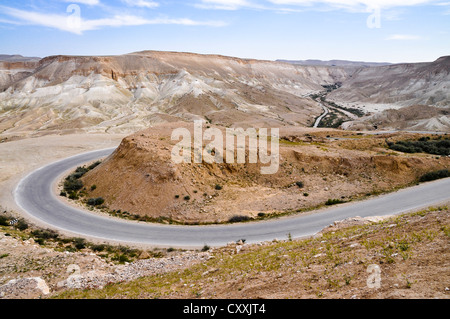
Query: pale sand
<point x="18" y="158"/>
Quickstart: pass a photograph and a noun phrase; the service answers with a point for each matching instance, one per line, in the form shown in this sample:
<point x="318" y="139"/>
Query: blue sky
<point x="362" y="30"/>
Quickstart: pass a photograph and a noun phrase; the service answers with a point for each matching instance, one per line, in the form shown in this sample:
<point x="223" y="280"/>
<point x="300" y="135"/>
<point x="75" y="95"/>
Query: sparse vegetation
<point x="52" y="239"/>
<point x="95" y="201"/>
<point x="79" y="243"/>
<point x="73" y="184"/>
<point x="334" y="201"/>
<point x="299" y="184"/>
<point x="4" y="221"/>
<point x="437" y="146"/>
<point x="21" y="224"/>
<point x="333" y="265"/>
<point x="238" y="218"/>
<point x="332" y="120"/>
<point x="431" y="176"/>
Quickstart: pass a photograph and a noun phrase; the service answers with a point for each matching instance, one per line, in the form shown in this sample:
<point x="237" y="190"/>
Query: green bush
<point x="79" y="243"/>
<point x="334" y="201"/>
<point x="72" y="184"/>
<point x="99" y="247"/>
<point x="121" y="258"/>
<point x="94" y="165"/>
<point x="73" y="195"/>
<point x="423" y="145"/>
<point x="218" y="187"/>
<point x="22" y="224"/>
<point x="40" y="241"/>
<point x="431" y="176"/>
<point x="4" y="221"/>
<point x="44" y="234"/>
<point x="95" y="201"/>
<point x="299" y="184"/>
<point x="79" y="172"/>
<point x="238" y="218"/>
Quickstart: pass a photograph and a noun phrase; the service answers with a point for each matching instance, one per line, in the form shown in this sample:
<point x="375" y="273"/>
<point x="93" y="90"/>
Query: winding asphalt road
<point x="36" y="196"/>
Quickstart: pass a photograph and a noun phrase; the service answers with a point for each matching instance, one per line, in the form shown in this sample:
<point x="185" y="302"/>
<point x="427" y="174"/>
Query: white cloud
<point x="403" y="37"/>
<point x="225" y="4"/>
<point x="141" y="3"/>
<point x="78" y="25"/>
<point x="354" y="3"/>
<point x="88" y="2"/>
<point x="286" y="5"/>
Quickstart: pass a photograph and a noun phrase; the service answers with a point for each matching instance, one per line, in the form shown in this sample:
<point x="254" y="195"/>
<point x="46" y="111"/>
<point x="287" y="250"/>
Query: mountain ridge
<point x="125" y="93"/>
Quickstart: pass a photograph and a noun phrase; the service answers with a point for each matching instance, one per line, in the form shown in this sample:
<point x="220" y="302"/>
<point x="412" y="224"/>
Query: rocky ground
<point x="31" y="270"/>
<point x="408" y="252"/>
<point x="400" y="257"/>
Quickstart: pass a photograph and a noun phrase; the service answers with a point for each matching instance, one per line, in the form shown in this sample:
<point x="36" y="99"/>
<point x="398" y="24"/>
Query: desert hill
<point x="415" y="117"/>
<point x="336" y="63"/>
<point x="400" y="84"/>
<point x="133" y="91"/>
<point x="17" y="58"/>
<point x="141" y="179"/>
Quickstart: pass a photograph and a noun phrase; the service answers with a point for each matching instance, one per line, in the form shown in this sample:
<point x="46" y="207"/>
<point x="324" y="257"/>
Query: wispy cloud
<point x="446" y="6"/>
<point x="141" y="3"/>
<point x="226" y="4"/>
<point x="353" y="3"/>
<point x="287" y="5"/>
<point x="78" y="25"/>
<point x="403" y="37"/>
<point x="87" y="2"/>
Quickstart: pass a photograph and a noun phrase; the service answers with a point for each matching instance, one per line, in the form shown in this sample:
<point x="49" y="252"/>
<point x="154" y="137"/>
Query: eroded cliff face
<point x="401" y="84"/>
<point x="130" y="92"/>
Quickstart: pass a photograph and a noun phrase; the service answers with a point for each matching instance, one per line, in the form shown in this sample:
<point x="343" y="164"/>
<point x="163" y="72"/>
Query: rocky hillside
<point x="400" y="84"/>
<point x="130" y="92"/>
<point x="133" y="91"/>
<point x="140" y="178"/>
<point x="415" y="117"/>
